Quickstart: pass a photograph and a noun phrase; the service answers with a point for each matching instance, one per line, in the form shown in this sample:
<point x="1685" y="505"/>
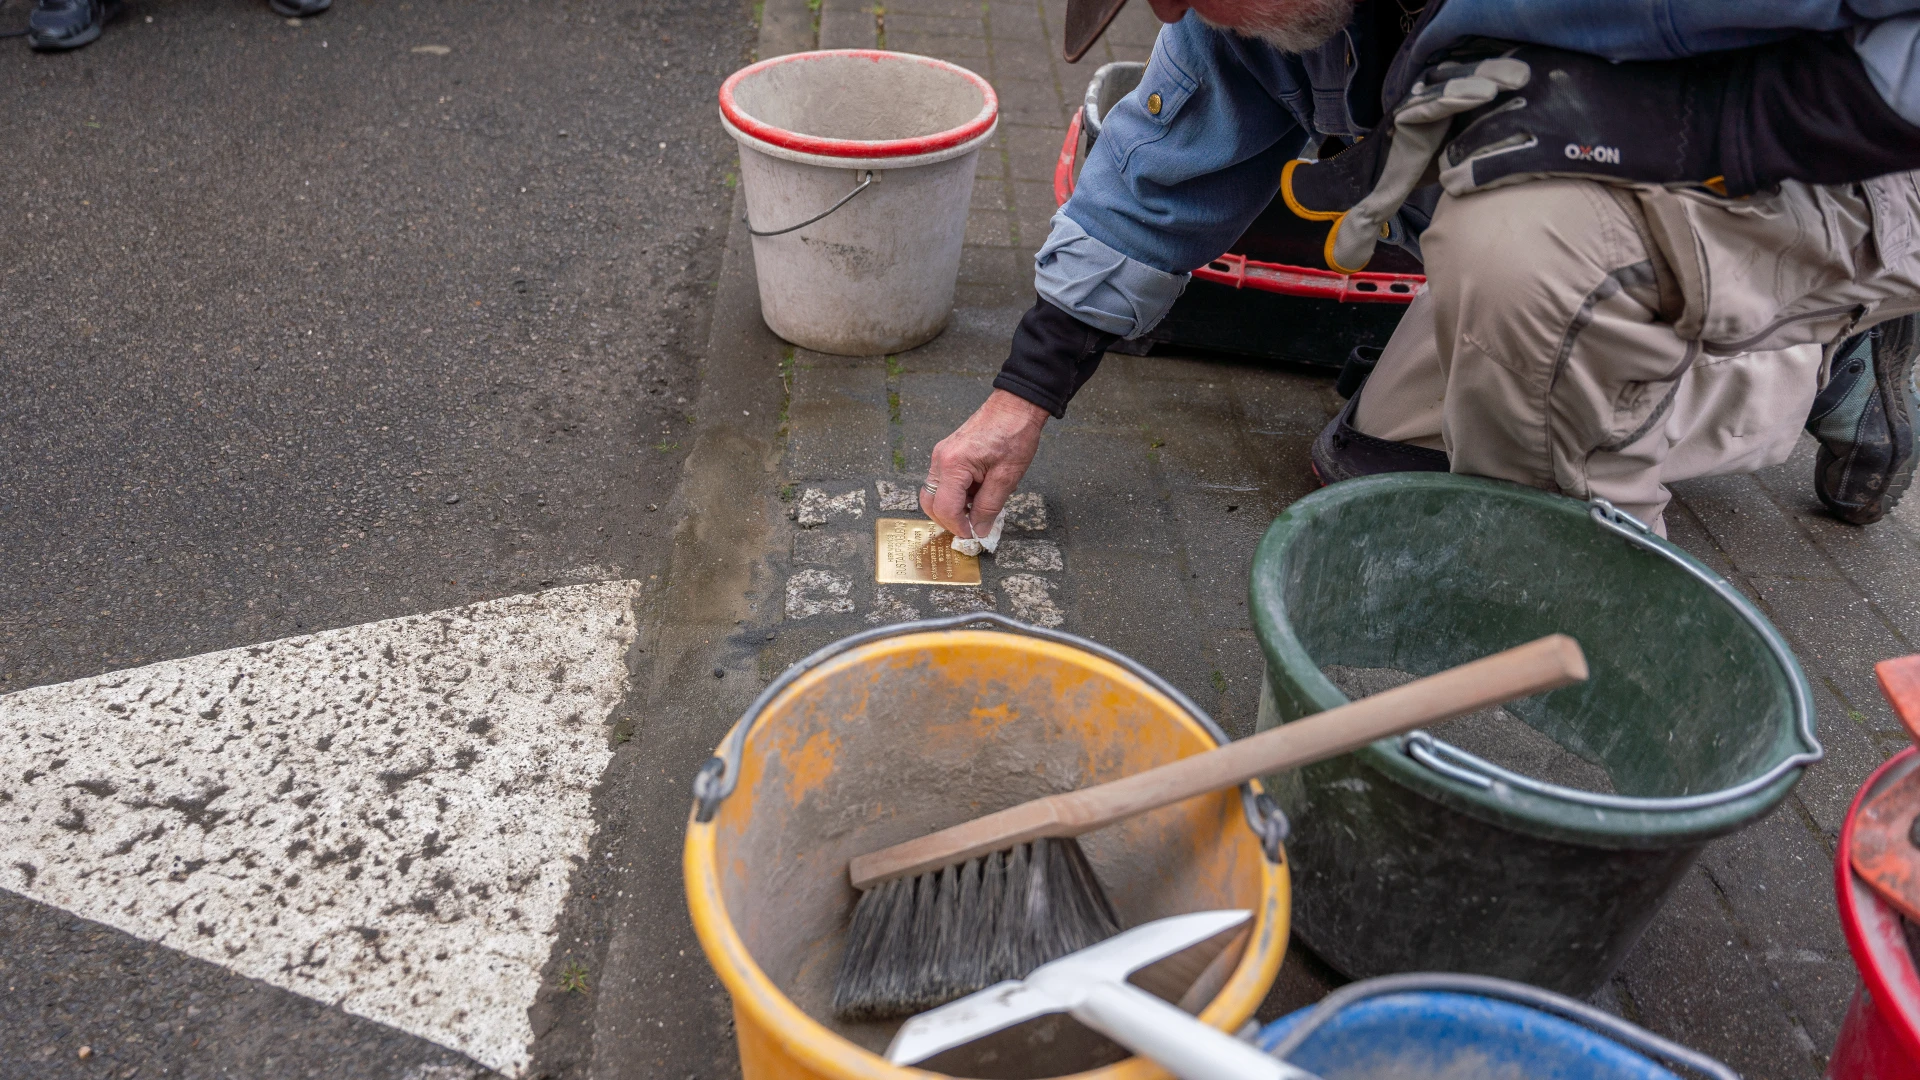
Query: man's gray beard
<point x="1294" y="26"/>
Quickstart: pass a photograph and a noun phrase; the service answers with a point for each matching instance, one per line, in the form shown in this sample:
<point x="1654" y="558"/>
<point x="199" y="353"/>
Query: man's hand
<point x="977" y="468"/>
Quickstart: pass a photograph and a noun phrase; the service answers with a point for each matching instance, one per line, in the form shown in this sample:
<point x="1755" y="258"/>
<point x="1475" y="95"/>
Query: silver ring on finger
<point x="932" y="486"/>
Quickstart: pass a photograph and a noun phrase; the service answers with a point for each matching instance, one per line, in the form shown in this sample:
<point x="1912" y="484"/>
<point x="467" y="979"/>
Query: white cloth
<point x="988" y="542"/>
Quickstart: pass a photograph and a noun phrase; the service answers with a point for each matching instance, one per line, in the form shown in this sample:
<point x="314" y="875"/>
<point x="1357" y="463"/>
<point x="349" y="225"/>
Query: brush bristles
<point x="917" y="943"/>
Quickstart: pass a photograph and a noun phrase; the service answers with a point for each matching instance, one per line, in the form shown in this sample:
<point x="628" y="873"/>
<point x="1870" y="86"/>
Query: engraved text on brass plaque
<point x="910" y="551"/>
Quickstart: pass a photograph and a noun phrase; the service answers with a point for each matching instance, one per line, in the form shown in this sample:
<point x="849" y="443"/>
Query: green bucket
<point x="1414" y="854"/>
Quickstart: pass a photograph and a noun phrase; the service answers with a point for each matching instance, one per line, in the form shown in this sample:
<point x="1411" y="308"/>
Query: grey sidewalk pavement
<point x="1140" y="517"/>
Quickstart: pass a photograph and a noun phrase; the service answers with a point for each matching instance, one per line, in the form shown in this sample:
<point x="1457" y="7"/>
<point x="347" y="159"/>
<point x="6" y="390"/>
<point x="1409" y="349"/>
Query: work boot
<point x="299" y="9"/>
<point x="1342" y="452"/>
<point x="1864" y="419"/>
<point x="57" y="25"/>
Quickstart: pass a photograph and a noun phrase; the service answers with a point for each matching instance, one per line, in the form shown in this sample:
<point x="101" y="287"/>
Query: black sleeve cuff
<point x="1053" y="355"/>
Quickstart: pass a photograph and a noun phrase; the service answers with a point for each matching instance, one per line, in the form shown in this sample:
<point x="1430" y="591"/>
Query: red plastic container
<point x="1880" y="1038"/>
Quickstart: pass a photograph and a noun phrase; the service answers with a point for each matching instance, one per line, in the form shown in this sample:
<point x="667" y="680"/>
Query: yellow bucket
<point x="896" y="732"/>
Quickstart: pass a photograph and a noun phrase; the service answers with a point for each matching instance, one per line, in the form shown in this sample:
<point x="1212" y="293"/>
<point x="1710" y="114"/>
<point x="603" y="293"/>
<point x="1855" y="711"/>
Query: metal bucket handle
<point x="1449" y="760"/>
<point x="844" y="200"/>
<point x="1620" y="1031"/>
<point x="719" y="774"/>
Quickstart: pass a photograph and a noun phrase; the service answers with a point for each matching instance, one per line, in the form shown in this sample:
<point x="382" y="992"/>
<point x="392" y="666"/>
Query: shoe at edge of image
<point x="299" y="9"/>
<point x="1864" y="420"/>
<point x="59" y="25"/>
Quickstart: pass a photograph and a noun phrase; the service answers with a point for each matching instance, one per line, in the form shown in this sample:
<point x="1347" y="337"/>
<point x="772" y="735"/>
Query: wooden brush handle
<point x="1534" y="668"/>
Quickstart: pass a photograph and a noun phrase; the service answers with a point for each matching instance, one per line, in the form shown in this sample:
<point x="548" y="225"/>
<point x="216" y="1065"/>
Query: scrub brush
<point x="954" y="912"/>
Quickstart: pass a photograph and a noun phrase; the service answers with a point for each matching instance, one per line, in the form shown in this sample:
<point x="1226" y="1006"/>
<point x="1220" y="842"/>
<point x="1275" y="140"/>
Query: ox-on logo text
<point x="1605" y="155"/>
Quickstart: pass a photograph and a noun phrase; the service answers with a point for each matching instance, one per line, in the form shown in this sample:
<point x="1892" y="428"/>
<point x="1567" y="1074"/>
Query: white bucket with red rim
<point x="857" y="166"/>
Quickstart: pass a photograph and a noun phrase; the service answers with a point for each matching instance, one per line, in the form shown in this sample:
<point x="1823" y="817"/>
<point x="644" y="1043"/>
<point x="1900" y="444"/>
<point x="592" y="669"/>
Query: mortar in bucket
<point x="857" y="167"/>
<point x="1534" y="843"/>
<point x="900" y="731"/>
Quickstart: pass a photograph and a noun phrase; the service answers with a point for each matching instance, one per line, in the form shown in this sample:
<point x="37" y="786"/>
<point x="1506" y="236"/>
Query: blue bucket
<point x="1465" y="1027"/>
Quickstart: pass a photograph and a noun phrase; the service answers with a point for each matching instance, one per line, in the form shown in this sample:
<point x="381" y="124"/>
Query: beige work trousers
<point x="1605" y="341"/>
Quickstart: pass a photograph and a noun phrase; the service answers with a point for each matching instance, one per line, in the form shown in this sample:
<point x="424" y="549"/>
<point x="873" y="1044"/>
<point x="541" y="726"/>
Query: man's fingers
<point x="994" y="492"/>
<point x="947" y="503"/>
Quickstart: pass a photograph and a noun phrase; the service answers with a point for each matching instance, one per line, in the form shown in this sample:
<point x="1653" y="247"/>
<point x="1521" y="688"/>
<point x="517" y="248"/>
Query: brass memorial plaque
<point x="910" y="551"/>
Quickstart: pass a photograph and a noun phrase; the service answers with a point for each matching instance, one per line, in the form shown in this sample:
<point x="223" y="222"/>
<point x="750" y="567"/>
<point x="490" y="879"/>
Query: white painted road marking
<point x="382" y="817"/>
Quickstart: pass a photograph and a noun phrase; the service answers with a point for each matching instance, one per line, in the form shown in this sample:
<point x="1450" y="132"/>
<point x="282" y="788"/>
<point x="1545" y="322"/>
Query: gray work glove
<point x="1420" y="127"/>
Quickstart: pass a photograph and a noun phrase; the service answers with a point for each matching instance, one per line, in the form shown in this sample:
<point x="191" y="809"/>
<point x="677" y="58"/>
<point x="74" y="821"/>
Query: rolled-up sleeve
<point x="1100" y="286"/>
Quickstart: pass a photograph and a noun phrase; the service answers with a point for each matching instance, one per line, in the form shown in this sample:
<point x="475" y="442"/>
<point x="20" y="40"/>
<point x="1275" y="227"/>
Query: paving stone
<point x="997" y="268"/>
<point x="931" y="7"/>
<point x="1691" y="979"/>
<point x="1020" y="20"/>
<point x="944" y="23"/>
<point x="984" y="294"/>
<point x="1029" y="555"/>
<point x="1750" y="527"/>
<point x="897" y="496"/>
<point x="1867" y="556"/>
<point x="1685" y="528"/>
<point x="1032" y="151"/>
<point x="1030" y="597"/>
<point x="1832" y="647"/>
<point x="786" y="26"/>
<point x="845" y="26"/>
<point x="811" y="592"/>
<point x="816" y="507"/>
<point x="1034" y="207"/>
<point x="990" y="228"/>
<point x="974" y="343"/>
<point x="1220" y="545"/>
<point x="1016" y="85"/>
<point x="828" y="547"/>
<point x="1034" y="66"/>
<point x="956" y="601"/>
<point x="968" y="52"/>
<point x="1021" y="53"/>
<point x="1026" y="512"/>
<point x="837" y="417"/>
<point x="990" y="193"/>
<point x="1239" y="669"/>
<point x="1853" y="750"/>
<point x="894" y="605"/>
<point x="1776" y="878"/>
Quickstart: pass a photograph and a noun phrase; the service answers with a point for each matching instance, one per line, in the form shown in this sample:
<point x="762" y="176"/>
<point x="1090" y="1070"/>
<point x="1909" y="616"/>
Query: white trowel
<point x="1092" y="986"/>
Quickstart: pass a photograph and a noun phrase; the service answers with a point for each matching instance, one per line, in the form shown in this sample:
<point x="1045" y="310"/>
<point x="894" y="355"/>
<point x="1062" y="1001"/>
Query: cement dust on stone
<point x="1494" y="735"/>
<point x="382" y="817"/>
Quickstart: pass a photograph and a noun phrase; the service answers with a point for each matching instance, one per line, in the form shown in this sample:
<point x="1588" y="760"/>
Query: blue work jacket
<point x="1168" y="188"/>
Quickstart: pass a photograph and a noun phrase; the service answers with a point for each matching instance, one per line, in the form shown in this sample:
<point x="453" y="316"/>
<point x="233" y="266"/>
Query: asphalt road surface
<point x="309" y="326"/>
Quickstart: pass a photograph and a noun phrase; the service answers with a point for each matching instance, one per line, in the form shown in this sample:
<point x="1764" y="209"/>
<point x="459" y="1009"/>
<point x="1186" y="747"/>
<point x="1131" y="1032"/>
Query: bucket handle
<point x="1451" y="761"/>
<point x="719" y="774"/>
<point x="844" y="200"/>
<point x="1620" y="1031"/>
